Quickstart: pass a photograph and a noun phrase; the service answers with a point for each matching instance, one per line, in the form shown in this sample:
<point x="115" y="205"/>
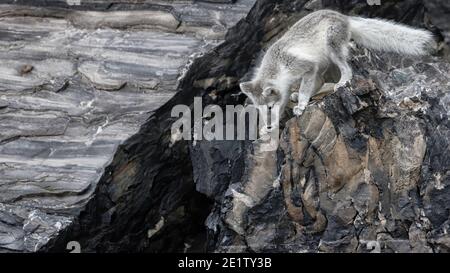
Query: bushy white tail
<point x="389" y="36"/>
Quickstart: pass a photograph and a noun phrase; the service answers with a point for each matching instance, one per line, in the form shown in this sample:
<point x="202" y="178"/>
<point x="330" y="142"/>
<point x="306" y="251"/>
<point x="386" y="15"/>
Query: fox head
<point x="260" y="95"/>
<point x="267" y="100"/>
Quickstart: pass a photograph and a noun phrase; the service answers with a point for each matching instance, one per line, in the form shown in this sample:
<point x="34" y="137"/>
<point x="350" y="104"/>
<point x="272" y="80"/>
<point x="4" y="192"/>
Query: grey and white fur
<point x="315" y="43"/>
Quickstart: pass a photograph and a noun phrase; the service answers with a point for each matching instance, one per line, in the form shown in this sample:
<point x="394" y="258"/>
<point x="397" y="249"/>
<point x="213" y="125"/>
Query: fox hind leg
<point x="340" y="59"/>
<point x="338" y="38"/>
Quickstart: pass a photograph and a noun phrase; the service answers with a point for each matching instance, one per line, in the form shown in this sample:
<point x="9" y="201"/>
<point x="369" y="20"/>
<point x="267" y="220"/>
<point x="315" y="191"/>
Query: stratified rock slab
<point x="77" y="79"/>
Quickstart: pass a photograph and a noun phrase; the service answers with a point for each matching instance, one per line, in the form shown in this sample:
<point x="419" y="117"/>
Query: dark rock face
<point x="349" y="177"/>
<point x="439" y="10"/>
<point x="363" y="169"/>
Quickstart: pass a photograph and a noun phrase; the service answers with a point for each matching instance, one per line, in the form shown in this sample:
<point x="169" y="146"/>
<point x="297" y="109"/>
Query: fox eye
<point x="268" y="91"/>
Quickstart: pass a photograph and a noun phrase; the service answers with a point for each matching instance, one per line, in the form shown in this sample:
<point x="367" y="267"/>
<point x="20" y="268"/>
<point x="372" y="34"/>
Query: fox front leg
<point x="310" y="83"/>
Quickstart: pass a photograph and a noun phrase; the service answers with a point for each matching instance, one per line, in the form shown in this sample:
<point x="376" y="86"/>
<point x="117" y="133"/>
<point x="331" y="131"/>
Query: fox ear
<point x="246" y="88"/>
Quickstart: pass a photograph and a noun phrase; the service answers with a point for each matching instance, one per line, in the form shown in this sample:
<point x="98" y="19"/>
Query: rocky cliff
<point x="86" y="152"/>
<point x="364" y="169"/>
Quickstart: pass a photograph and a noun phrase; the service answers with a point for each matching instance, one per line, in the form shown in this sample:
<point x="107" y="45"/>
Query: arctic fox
<point x="313" y="44"/>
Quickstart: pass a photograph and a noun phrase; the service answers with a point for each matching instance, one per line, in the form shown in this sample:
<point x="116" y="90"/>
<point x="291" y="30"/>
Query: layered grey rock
<point x="76" y="81"/>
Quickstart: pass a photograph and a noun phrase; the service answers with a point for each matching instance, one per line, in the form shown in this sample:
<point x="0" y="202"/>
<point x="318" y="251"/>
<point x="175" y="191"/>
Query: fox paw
<point x="266" y="130"/>
<point x="341" y="84"/>
<point x="294" y="97"/>
<point x="298" y="110"/>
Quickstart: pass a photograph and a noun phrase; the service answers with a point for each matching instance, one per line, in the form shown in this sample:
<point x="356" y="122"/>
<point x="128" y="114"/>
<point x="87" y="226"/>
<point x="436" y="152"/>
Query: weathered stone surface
<point x="439" y="10"/>
<point x="25" y="229"/>
<point x="346" y="178"/>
